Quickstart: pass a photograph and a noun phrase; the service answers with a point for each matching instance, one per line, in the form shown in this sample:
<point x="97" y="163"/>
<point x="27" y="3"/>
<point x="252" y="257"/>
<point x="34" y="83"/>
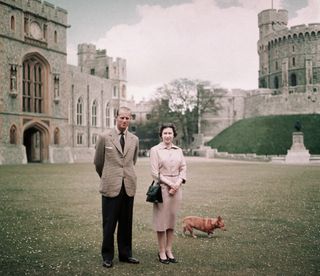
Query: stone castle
<point x="289" y="75"/>
<point x="53" y="112"/>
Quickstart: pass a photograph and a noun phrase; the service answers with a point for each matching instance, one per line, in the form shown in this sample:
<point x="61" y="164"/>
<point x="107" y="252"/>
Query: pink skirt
<point x="165" y="214"/>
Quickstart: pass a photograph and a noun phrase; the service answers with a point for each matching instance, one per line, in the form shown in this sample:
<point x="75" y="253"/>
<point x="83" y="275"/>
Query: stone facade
<point x="51" y="111"/>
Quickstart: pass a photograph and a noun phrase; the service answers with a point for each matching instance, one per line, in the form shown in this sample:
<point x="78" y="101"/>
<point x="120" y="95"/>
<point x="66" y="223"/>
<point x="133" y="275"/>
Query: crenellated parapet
<point x="39" y="9"/>
<point x="96" y="62"/>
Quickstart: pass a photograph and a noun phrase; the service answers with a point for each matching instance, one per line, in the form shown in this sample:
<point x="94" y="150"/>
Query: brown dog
<point x="207" y="225"/>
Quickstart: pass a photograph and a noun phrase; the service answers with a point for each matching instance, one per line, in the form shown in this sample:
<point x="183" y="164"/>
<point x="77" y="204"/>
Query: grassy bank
<point x="268" y="135"/>
<point x="50" y="221"/>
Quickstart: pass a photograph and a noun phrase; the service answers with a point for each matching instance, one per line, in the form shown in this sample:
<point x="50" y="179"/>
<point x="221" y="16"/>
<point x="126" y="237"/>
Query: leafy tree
<point x="181" y="102"/>
<point x="187" y="100"/>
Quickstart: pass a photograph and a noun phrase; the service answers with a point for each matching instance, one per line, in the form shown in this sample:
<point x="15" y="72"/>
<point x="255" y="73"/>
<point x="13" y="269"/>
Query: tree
<point x="184" y="101"/>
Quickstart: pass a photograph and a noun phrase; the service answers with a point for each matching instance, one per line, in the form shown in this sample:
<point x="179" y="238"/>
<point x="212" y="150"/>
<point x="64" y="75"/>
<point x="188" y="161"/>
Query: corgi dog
<point x="207" y="225"/>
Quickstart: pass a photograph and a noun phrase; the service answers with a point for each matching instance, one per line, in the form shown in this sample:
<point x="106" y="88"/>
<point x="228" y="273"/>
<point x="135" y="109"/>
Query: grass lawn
<point x="50" y="221"/>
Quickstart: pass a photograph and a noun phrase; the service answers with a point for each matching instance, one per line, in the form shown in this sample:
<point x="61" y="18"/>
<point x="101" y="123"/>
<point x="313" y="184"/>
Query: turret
<point x="272" y="20"/>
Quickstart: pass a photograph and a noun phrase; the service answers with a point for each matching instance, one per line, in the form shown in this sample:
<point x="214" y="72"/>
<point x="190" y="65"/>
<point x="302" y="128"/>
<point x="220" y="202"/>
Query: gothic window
<point x="45" y="31"/>
<point x="55" y="37"/>
<point x="13" y="135"/>
<point x="32" y="86"/>
<point x="115" y="114"/>
<point x="276" y="82"/>
<point x="56" y="136"/>
<point x="107" y="72"/>
<point x="293" y="80"/>
<point x="123" y="91"/>
<point x="148" y="116"/>
<point x="79" y="112"/>
<point x="56" y="88"/>
<point x="277" y="67"/>
<point x="80" y="138"/>
<point x="108" y="119"/>
<point x="293" y="61"/>
<point x="13" y="78"/>
<point x="115" y="92"/>
<point x="94" y="113"/>
<point x="94" y="139"/>
<point x="92" y="71"/>
<point x="12" y="23"/>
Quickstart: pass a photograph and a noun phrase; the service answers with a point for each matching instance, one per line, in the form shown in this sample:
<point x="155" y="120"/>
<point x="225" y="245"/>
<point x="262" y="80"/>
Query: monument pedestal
<point x="297" y="154"/>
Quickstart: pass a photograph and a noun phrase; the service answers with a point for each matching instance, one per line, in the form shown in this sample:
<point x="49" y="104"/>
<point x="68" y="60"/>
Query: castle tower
<point x="269" y="22"/>
<point x="33" y="63"/>
<point x="86" y="54"/>
<point x="288" y="57"/>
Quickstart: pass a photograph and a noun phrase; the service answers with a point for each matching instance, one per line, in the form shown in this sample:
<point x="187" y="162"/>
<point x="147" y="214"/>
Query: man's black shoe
<point x="107" y="264"/>
<point x="130" y="260"/>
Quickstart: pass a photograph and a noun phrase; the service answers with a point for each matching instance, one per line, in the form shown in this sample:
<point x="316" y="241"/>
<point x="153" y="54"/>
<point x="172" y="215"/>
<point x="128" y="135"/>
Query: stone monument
<point x="297" y="154"/>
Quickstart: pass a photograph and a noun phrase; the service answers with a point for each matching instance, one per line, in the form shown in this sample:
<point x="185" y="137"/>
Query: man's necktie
<point x="122" y="140"/>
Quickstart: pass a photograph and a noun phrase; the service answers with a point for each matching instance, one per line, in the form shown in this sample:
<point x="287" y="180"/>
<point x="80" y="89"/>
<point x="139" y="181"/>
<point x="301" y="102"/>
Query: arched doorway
<point x="35" y="139"/>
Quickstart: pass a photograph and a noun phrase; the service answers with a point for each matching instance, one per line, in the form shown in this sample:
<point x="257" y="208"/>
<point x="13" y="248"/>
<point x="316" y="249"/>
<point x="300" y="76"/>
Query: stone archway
<point x="36" y="142"/>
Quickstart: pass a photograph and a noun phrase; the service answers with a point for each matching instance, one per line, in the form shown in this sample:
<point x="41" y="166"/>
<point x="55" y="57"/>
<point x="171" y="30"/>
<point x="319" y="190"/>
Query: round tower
<point x="269" y="21"/>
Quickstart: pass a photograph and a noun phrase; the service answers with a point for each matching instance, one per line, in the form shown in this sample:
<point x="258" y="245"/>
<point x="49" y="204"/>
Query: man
<point x="115" y="157"/>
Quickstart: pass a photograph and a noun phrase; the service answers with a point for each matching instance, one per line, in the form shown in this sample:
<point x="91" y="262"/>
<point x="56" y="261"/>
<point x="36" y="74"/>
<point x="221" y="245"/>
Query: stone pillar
<point x="297" y="154"/>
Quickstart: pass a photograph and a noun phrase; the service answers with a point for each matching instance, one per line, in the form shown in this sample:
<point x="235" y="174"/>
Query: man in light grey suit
<point x="115" y="157"/>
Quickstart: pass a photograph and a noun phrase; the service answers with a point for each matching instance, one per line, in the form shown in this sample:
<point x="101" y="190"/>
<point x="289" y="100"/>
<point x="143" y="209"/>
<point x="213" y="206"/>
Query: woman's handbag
<point x="154" y="194"/>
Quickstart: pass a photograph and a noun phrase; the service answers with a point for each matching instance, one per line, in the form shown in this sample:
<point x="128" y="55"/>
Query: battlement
<point x="86" y="48"/>
<point x="40" y="9"/>
<point x="294" y="32"/>
<point x="273" y="16"/>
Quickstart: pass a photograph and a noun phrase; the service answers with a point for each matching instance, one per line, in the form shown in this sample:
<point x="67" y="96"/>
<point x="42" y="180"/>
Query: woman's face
<point x="167" y="135"/>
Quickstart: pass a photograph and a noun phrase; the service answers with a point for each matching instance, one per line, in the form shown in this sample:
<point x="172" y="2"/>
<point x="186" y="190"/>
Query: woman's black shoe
<point x="172" y="260"/>
<point x="163" y="261"/>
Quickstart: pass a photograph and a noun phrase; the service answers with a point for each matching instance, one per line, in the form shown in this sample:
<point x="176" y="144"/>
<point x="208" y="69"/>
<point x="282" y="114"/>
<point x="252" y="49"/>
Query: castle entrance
<point x="35" y="141"/>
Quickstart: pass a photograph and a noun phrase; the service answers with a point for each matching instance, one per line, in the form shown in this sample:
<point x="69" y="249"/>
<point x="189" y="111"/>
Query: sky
<point x="162" y="40"/>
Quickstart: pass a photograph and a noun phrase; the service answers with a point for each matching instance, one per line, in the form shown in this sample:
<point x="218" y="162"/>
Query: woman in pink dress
<point x="168" y="166"/>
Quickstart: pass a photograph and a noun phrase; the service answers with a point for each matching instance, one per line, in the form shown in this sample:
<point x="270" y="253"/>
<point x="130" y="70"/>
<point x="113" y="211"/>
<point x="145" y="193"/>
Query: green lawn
<point x="50" y="221"/>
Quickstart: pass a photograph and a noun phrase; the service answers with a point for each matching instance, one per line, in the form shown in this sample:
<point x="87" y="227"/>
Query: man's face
<point x="123" y="120"/>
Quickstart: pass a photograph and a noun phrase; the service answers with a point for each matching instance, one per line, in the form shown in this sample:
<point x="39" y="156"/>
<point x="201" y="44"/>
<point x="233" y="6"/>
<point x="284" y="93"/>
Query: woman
<point x="168" y="166"/>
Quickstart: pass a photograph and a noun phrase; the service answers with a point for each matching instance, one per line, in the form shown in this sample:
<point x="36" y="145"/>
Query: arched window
<point x="94" y="139"/>
<point x="56" y="136"/>
<point x="13" y="23"/>
<point x="79" y="112"/>
<point x="94" y="113"/>
<point x="13" y="135"/>
<point x="293" y="80"/>
<point x="123" y="91"/>
<point x="115" y="92"/>
<point x="115" y="112"/>
<point x="293" y="61"/>
<point x="55" y="37"/>
<point x="276" y="82"/>
<point x="108" y="119"/>
<point x="33" y="86"/>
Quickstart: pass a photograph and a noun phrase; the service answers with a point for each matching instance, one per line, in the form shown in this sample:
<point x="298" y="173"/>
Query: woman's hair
<point x="168" y="125"/>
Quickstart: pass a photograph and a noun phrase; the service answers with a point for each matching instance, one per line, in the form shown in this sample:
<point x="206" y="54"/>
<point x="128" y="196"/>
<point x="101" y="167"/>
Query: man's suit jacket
<point x="113" y="166"/>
